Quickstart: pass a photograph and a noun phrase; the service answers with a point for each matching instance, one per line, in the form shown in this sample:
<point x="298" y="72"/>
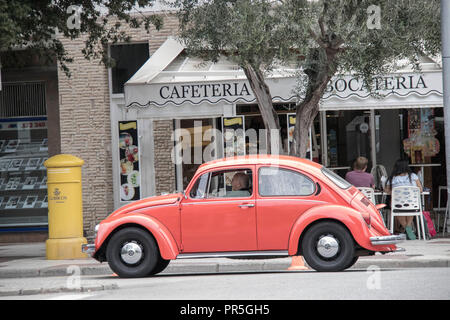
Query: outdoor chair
<point x="378" y="172"/>
<point x="369" y="193"/>
<point x="407" y="201"/>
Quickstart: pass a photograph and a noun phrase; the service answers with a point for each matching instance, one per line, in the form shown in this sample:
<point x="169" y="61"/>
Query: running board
<point x="233" y="254"/>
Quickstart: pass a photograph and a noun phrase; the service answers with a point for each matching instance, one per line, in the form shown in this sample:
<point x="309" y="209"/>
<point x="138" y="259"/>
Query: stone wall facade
<point x="85" y="124"/>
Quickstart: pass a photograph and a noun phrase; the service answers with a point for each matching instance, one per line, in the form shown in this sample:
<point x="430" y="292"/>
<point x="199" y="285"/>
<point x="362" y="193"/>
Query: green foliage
<point x="37" y="25"/>
<point x="334" y="35"/>
<point x="406" y="30"/>
<point x="241" y="29"/>
<point x="323" y="37"/>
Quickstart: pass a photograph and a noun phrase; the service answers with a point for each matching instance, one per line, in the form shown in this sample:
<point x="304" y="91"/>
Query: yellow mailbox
<point x="65" y="208"/>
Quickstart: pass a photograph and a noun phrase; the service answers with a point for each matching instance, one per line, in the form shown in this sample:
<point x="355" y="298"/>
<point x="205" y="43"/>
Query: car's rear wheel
<point x="328" y="246"/>
<point x="352" y="263"/>
<point x="132" y="253"/>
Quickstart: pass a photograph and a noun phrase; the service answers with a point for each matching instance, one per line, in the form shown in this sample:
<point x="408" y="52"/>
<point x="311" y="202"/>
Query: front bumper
<point x="88" y="248"/>
<point x="385" y="240"/>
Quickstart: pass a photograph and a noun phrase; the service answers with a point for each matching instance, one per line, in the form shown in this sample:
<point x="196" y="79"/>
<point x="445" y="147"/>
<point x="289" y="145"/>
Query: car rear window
<point x="274" y="181"/>
<point x="336" y="179"/>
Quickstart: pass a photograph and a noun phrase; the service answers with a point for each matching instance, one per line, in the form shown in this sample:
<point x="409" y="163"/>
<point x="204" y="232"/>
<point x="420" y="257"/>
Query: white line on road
<point x="79" y="296"/>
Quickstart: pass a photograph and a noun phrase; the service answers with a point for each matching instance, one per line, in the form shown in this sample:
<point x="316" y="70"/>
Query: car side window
<point x="199" y="189"/>
<point x="230" y="184"/>
<point x="273" y="181"/>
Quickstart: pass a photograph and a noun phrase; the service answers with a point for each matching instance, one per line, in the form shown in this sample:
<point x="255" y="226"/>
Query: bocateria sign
<point x="282" y="90"/>
<point x="400" y="85"/>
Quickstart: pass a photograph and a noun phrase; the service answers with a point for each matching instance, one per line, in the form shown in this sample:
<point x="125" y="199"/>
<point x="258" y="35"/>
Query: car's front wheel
<point x="328" y="246"/>
<point x="132" y="253"/>
<point x="160" y="266"/>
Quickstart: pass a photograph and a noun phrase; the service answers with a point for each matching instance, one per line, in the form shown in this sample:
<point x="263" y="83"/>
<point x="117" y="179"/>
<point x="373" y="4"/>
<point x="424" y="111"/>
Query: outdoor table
<point x="422" y="165"/>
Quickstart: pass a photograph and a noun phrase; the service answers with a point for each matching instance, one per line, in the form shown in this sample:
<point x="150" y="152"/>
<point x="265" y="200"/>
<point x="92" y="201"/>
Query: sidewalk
<point x="19" y="262"/>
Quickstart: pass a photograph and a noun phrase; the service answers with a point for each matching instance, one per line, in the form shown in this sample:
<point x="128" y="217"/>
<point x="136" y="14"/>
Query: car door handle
<point x="246" y="205"/>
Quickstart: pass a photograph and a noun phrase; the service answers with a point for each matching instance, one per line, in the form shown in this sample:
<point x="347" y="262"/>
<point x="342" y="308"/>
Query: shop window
<point x="128" y="58"/>
<point x="23" y="150"/>
<point x="22" y="99"/>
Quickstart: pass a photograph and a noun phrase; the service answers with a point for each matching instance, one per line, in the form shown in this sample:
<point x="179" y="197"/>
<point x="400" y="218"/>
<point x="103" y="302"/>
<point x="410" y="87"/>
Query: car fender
<point x="349" y="217"/>
<point x="167" y="245"/>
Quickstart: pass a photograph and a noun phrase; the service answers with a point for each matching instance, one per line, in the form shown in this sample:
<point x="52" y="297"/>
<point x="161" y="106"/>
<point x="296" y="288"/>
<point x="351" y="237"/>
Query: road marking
<point x="72" y="296"/>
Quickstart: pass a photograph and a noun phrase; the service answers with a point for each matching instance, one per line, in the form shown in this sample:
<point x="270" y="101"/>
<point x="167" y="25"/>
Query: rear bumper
<point x="386" y="240"/>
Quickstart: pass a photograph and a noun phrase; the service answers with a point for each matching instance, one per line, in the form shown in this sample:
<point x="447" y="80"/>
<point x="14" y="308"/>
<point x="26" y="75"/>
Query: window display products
<point x="23" y="183"/>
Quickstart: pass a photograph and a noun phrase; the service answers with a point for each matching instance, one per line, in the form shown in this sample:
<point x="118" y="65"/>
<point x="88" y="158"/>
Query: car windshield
<point x="337" y="180"/>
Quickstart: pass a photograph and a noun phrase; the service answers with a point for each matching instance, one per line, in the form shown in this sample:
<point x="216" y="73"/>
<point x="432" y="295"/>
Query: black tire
<point x="352" y="263"/>
<point x="147" y="252"/>
<point x="328" y="247"/>
<point x="160" y="266"/>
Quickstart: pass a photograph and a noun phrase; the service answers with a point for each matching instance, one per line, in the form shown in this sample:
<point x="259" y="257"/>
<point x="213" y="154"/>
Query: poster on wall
<point x="129" y="161"/>
<point x="421" y="141"/>
<point x="233" y="136"/>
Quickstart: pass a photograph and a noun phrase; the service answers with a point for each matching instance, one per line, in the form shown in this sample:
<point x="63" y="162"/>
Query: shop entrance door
<point x="196" y="143"/>
<point x="350" y="134"/>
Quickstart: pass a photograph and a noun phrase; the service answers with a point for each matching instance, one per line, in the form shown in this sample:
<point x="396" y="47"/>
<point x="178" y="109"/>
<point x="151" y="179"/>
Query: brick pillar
<point x="164" y="167"/>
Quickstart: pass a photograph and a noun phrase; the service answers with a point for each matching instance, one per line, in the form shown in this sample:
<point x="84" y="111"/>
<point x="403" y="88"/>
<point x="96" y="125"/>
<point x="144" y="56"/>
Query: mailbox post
<point x="65" y="208"/>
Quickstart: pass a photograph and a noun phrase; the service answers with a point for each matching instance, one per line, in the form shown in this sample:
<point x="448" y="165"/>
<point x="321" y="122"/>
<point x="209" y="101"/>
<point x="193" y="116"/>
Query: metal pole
<point x="445" y="37"/>
<point x="373" y="143"/>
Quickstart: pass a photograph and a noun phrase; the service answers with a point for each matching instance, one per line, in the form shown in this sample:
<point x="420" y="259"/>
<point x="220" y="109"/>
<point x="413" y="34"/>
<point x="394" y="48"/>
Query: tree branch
<point x="317" y="39"/>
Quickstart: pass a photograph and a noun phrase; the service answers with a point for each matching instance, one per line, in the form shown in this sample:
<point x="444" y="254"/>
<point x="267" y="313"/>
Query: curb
<point x="33" y="291"/>
<point x="192" y="268"/>
<point x="53" y="272"/>
<point x="215" y="267"/>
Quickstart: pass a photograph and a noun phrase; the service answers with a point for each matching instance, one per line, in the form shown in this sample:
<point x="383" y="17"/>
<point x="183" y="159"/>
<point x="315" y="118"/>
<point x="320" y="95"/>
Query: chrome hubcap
<point x="131" y="253"/>
<point x="328" y="246"/>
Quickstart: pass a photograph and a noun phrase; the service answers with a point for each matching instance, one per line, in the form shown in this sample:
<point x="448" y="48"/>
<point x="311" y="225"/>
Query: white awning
<point x="396" y="91"/>
<point x="171" y="78"/>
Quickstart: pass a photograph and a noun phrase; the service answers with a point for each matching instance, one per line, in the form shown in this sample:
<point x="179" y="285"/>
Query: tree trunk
<point x="264" y="99"/>
<point x="307" y="110"/>
<point x="322" y="69"/>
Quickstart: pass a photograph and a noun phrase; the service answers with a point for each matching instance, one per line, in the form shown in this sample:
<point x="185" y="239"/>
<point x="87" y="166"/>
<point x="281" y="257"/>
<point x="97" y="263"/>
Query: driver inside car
<point x="240" y="185"/>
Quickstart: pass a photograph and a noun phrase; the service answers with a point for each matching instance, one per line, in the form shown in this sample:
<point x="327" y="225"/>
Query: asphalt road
<point x="362" y="284"/>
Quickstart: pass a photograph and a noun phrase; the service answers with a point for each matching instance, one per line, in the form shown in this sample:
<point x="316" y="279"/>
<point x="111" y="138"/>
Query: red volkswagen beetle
<point x="273" y="206"/>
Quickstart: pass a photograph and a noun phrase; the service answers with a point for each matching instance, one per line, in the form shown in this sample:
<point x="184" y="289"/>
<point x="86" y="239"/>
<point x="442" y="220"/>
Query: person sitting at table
<point x="402" y="175"/>
<point x="358" y="176"/>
